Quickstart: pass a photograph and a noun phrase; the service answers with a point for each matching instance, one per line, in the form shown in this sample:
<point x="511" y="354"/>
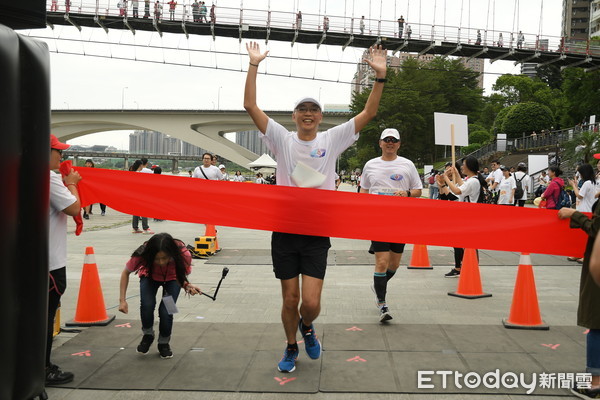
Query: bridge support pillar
<point x="75" y="160"/>
<point x="175" y="168"/>
<point x="126" y="166"/>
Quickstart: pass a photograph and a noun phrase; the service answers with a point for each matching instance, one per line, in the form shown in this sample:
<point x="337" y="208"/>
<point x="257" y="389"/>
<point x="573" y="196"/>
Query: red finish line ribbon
<point x="330" y="213"/>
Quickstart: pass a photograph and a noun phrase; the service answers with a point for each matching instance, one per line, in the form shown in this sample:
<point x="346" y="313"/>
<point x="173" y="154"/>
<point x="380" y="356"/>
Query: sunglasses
<point x="390" y="139"/>
<point x="59" y="151"/>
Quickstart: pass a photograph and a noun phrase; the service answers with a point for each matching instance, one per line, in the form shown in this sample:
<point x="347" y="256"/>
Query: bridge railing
<point x="540" y="140"/>
<point x="385" y="27"/>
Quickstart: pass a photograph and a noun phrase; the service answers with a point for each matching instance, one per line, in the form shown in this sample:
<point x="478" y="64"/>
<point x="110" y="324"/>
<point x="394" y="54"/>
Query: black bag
<point x="519" y="190"/>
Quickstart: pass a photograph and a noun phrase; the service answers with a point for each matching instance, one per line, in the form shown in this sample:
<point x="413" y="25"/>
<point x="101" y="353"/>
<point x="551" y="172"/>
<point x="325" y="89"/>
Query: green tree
<point x="582" y="147"/>
<point x="500" y="118"/>
<point x="526" y="118"/>
<point x="581" y="96"/>
<point x="412" y="94"/>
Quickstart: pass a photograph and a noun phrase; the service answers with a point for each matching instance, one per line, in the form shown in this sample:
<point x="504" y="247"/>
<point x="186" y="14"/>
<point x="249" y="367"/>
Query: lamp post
<point x="123" y="98"/>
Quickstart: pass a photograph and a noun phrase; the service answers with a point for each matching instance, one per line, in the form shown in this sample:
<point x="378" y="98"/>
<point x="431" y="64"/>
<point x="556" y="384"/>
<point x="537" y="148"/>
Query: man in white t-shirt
<point x="389" y="175"/>
<point x="306" y="158"/>
<point x="64" y="201"/>
<point x="494" y="177"/>
<point x="145" y="168"/>
<point x="207" y="170"/>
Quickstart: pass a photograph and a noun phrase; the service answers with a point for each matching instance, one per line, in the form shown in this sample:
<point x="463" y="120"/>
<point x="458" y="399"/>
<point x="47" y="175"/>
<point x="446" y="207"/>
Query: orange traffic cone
<point x="419" y="258"/>
<point x="525" y="310"/>
<point x="211" y="230"/>
<point x="469" y="282"/>
<point x="91" y="310"/>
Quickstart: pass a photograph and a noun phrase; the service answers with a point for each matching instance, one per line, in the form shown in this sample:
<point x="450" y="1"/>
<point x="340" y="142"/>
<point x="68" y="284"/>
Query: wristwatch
<point x="408" y="193"/>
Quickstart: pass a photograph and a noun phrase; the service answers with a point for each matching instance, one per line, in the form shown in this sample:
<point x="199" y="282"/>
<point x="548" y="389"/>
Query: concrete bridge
<point x="199" y="127"/>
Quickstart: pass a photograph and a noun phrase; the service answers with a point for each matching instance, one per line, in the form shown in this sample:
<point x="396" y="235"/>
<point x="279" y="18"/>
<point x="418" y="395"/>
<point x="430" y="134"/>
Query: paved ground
<point x="250" y="297"/>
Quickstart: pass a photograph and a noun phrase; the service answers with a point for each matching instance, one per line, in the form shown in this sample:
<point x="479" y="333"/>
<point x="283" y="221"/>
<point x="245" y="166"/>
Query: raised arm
<point x="258" y="116"/>
<point x="377" y="61"/>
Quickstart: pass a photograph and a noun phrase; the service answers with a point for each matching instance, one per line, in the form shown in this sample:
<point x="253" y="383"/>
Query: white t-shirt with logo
<point x="213" y="173"/>
<point x="60" y="198"/>
<point x="319" y="154"/>
<point x="387" y="177"/>
<point x="506" y="187"/>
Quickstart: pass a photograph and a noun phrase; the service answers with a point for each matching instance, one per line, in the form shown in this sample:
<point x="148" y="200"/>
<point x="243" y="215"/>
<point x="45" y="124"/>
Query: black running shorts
<point x="299" y="254"/>
<point x="378" y="247"/>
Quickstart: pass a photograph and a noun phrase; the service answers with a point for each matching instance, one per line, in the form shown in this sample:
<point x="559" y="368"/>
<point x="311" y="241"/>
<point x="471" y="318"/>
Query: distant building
<point x="152" y="142"/>
<point x="595" y="19"/>
<point x="251" y="140"/>
<point x="576" y="19"/>
<point x="363" y="78"/>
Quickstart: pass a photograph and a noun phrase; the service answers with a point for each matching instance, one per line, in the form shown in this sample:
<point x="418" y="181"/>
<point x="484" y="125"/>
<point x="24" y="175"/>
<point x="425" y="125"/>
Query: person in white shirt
<point x="145" y="168"/>
<point x="468" y="189"/>
<point x="207" y="170"/>
<point x="525" y="180"/>
<point x="64" y="201"/>
<point x="494" y="177"/>
<point x="238" y="177"/>
<point x="389" y="175"/>
<point x="306" y="158"/>
<point x="587" y="193"/>
<point x="224" y="174"/>
<point x="506" y="188"/>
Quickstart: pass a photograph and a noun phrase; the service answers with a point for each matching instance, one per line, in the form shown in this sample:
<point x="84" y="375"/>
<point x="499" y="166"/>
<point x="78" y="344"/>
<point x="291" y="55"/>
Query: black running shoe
<point x="144" y="345"/>
<point x="54" y="376"/>
<point x="454" y="273"/>
<point x="165" y="350"/>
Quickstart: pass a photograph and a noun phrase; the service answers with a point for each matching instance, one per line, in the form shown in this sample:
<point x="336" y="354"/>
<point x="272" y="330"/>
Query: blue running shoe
<point x="288" y="362"/>
<point x="311" y="342"/>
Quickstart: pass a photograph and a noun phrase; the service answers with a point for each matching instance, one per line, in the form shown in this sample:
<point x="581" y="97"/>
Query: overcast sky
<point x="85" y="82"/>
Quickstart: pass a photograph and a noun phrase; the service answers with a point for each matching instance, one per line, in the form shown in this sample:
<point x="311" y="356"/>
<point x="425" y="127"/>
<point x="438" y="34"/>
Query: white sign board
<point x="592" y="119"/>
<point x="443" y="122"/>
<point x="427" y="169"/>
<point x="536" y="163"/>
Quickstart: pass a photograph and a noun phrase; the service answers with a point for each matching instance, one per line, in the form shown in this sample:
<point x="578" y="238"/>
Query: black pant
<point x="58" y="284"/>
<point x="458" y="256"/>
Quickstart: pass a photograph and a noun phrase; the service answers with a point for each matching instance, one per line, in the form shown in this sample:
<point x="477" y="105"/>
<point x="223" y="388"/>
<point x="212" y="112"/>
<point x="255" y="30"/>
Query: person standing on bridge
<point x="520" y="40"/>
<point x="146" y="9"/>
<point x="478" y="41"/>
<point x="361" y="25"/>
<point x="400" y="26"/>
<point x="299" y="20"/>
<point x="213" y="15"/>
<point x="196" y="11"/>
<point x="306" y="151"/>
<point x="135" y="5"/>
<point x="203" y="12"/>
<point x="172" y="4"/>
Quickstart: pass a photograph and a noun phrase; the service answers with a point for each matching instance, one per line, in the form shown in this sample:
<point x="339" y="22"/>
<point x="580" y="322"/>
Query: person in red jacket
<point x="552" y="192"/>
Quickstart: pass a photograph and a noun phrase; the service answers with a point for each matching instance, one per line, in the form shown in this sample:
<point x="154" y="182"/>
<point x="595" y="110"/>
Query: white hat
<point x="308" y="100"/>
<point x="221" y="166"/>
<point x="390" y="132"/>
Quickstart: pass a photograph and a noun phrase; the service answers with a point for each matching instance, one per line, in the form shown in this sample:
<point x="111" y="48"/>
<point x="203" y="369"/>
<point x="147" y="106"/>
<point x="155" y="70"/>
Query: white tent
<point x="264" y="161"/>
